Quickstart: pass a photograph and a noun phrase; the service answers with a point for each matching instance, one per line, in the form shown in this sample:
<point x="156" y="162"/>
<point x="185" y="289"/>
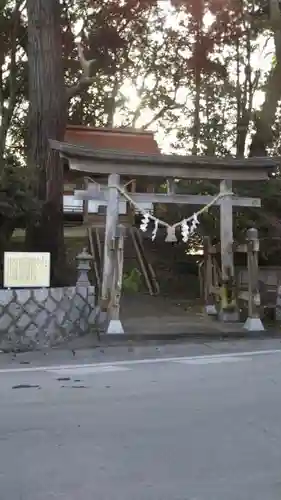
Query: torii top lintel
<point x="105" y="162"/>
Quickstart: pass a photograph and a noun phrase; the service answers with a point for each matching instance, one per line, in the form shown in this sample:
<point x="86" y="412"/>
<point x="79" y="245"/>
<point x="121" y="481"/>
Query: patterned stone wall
<point x="36" y="318"/>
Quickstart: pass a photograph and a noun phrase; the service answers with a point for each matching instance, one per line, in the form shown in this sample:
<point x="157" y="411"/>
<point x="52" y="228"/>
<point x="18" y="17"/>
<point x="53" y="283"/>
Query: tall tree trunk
<point x="47" y="120"/>
<point x="245" y="93"/>
<point x="196" y="119"/>
<point x="265" y="119"/>
<point x="197" y="76"/>
<point x="240" y="104"/>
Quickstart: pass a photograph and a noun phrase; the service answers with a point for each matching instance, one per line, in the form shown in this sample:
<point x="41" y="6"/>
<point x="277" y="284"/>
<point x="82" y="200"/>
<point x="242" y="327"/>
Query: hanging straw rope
<point x="171" y="236"/>
<point x="163" y="223"/>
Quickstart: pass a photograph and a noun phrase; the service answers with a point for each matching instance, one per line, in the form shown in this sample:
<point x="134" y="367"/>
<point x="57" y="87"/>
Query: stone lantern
<point x="83" y="267"/>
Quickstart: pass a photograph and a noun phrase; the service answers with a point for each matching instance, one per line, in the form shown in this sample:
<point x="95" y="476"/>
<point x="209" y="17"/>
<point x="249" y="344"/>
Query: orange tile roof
<point x="118" y="139"/>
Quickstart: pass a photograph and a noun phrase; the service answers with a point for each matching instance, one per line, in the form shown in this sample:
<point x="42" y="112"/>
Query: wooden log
<point x="140" y="261"/>
<point x="153" y="279"/>
<point x="95" y="260"/>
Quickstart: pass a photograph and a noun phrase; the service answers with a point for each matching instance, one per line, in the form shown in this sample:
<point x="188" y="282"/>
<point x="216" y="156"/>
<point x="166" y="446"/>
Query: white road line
<point x="132" y="362"/>
<point x="88" y="370"/>
<point x="211" y="361"/>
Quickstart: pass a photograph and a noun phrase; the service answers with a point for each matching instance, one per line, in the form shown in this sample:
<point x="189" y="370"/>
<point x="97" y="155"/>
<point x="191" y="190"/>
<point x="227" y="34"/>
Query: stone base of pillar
<point x="115" y="327"/>
<point x="211" y="310"/>
<point x="253" y="325"/>
<point x="229" y="316"/>
<point x="229" y="311"/>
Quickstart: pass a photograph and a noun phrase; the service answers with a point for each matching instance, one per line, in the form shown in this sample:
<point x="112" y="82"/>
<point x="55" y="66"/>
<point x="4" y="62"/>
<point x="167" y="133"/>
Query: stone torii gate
<point x="115" y="164"/>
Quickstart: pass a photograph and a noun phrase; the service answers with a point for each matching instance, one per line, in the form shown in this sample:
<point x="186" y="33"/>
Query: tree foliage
<point x="190" y="70"/>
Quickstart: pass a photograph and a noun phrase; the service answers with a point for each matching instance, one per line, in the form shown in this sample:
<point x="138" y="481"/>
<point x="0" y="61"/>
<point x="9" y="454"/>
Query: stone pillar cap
<point x="84" y="255"/>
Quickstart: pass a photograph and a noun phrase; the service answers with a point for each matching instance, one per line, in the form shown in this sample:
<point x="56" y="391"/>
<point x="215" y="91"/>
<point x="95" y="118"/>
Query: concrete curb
<point x="185" y="337"/>
<point x="95" y="340"/>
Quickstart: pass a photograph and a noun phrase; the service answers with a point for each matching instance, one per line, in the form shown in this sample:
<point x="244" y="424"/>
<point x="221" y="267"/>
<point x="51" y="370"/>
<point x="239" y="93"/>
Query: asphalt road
<point x="201" y="428"/>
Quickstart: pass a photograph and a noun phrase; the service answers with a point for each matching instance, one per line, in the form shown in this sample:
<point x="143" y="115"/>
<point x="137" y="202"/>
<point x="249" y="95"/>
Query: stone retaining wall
<point x="36" y="318"/>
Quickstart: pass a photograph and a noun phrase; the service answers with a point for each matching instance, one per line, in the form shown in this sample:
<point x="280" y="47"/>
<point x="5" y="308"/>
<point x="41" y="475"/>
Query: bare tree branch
<point x="160" y="114"/>
<point x="171" y="103"/>
<point x="87" y="79"/>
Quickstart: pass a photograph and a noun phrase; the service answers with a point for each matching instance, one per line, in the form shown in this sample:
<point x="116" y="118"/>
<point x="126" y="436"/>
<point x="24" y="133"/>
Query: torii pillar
<point x="108" y="311"/>
<point x="228" y="304"/>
